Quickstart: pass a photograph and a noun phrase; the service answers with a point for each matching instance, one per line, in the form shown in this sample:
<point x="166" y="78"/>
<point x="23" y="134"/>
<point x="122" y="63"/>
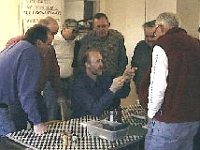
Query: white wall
<point x="10" y="20"/>
<point x="189" y="15"/>
<point x="127" y="16"/>
<point x="9" y="26"/>
<point x="73" y="9"/>
<point x="155" y="7"/>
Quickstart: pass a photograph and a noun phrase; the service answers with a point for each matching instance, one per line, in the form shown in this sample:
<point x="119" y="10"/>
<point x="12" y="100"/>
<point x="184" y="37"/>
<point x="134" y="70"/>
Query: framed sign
<point x="31" y="11"/>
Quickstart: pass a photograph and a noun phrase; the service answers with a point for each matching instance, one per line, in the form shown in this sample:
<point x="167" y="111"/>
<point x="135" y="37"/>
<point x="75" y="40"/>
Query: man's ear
<point x="109" y="24"/>
<point x="86" y="64"/>
<point x="38" y="43"/>
<point x="163" y="29"/>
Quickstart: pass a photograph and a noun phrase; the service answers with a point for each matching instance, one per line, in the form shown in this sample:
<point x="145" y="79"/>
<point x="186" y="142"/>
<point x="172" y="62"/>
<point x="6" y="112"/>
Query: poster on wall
<point x="31" y="11"/>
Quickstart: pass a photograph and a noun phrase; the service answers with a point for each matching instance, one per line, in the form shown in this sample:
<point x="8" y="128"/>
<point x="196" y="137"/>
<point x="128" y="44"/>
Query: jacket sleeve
<point x="124" y="91"/>
<point x="27" y="79"/>
<point x="122" y="58"/>
<point x="134" y="57"/>
<point x="76" y="51"/>
<point x="54" y="75"/>
<point x="83" y="48"/>
<point x="143" y="90"/>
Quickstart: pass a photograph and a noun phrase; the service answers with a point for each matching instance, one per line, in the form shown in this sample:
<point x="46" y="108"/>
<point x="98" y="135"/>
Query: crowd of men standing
<point x="45" y="79"/>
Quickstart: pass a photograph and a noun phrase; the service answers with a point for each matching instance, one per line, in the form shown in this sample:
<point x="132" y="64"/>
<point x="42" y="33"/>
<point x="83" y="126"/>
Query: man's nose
<point x="52" y="36"/>
<point x="101" y="63"/>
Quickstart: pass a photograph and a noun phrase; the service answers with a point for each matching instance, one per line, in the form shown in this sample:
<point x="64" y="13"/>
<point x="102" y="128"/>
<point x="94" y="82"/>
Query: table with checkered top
<point x="53" y="139"/>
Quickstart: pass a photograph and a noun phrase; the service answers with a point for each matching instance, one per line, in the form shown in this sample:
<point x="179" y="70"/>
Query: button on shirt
<point x="91" y="97"/>
<point x="19" y="73"/>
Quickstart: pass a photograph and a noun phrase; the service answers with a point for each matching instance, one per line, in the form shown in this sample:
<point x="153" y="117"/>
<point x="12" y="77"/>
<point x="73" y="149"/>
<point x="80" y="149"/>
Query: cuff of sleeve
<point x="35" y="122"/>
<point x="111" y="92"/>
<point x="36" y="118"/>
<point x="150" y="114"/>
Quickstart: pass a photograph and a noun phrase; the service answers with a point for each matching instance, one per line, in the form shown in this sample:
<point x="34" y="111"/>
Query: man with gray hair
<point x="170" y="92"/>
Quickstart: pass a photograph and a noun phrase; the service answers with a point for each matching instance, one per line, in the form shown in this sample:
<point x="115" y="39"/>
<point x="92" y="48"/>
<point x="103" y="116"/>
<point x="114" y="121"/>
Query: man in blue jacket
<point x="19" y="74"/>
<point x="92" y="92"/>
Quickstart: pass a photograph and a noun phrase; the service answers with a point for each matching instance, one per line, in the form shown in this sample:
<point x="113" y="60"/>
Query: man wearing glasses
<point x="170" y="92"/>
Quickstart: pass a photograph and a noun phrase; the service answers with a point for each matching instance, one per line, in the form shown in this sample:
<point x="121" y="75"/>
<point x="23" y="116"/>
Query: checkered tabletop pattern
<point x="52" y="140"/>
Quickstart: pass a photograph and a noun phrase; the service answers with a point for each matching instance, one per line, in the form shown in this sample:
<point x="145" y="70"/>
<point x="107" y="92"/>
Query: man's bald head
<point x="51" y="23"/>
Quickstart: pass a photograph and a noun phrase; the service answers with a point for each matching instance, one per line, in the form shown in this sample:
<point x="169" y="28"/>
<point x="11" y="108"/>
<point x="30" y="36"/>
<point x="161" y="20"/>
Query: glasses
<point x="154" y="33"/>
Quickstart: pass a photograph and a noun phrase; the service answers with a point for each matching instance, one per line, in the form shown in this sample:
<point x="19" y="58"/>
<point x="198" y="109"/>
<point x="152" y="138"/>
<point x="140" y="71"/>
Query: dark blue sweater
<point x="91" y="97"/>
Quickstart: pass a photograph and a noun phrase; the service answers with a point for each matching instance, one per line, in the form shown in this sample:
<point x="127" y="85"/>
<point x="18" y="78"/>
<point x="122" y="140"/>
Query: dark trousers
<point x="42" y="107"/>
<point x="197" y="141"/>
<point x="50" y="102"/>
<point x="18" y="115"/>
<point x="6" y="124"/>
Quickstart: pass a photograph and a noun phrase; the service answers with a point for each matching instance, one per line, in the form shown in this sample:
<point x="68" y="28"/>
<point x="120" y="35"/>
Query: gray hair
<point x="168" y="19"/>
<point x="46" y="21"/>
<point x="70" y="23"/>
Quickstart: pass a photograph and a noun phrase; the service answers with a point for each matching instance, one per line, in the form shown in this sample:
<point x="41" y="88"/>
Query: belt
<point x="3" y="105"/>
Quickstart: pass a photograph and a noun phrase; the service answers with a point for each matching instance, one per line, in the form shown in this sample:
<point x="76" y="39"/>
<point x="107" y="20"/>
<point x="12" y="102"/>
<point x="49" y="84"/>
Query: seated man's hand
<point x="40" y="128"/>
<point x="129" y="73"/>
<point x="117" y="83"/>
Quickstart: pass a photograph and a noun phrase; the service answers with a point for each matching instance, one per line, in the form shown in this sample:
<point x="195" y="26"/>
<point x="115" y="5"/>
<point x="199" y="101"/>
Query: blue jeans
<point x="6" y="123"/>
<point x="170" y="136"/>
